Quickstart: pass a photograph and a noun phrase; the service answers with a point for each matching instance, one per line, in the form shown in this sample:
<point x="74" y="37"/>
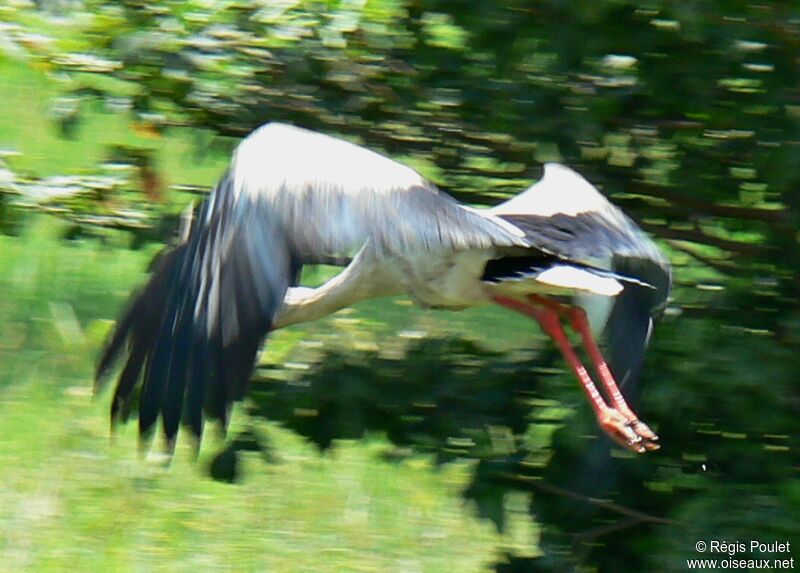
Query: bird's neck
<point x="362" y="279"/>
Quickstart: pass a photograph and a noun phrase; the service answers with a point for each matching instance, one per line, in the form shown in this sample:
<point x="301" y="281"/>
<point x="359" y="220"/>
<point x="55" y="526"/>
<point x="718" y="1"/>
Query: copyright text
<point x="756" y="550"/>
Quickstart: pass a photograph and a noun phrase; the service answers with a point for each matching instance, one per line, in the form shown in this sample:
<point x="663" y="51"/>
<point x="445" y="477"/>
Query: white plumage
<point x="560" y="190"/>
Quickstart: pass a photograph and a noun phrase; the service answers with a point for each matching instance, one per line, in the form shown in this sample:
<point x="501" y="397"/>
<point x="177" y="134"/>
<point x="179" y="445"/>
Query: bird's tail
<point x="191" y="335"/>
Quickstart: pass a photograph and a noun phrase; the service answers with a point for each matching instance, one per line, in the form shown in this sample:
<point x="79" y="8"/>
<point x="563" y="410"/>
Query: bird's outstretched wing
<point x="291" y="196"/>
<point x="190" y="336"/>
<point x="333" y="195"/>
<point x="566" y="216"/>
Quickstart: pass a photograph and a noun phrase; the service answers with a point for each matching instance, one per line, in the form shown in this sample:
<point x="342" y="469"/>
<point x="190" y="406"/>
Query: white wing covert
<point x="333" y="195"/>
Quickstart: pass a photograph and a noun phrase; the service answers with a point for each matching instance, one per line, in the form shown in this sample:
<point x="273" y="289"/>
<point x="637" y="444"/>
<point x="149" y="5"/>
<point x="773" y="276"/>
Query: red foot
<point x="633" y="435"/>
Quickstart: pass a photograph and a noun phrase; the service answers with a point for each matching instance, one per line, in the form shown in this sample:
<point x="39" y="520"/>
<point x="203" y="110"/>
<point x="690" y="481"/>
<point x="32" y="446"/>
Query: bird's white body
<point x="444" y="280"/>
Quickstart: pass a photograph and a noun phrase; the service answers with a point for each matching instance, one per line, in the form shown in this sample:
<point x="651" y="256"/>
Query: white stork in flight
<point x="559" y="253"/>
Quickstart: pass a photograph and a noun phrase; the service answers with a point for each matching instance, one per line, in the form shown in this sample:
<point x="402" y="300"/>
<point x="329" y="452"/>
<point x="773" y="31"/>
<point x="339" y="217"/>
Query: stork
<point x="559" y="253"/>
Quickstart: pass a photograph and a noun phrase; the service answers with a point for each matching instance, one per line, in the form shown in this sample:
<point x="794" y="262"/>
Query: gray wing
<point x="590" y="239"/>
<point x="190" y="336"/>
<point x="332" y="196"/>
<point x="566" y="216"/>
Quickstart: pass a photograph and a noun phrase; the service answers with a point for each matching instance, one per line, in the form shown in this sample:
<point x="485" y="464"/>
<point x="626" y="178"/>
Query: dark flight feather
<point x="586" y="237"/>
<point x="628" y="328"/>
<point x="191" y="335"/>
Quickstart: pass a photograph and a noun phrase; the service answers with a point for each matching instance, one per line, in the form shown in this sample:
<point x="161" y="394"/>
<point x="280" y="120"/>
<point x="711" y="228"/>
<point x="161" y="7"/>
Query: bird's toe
<point x="633" y="435"/>
<point x="619" y="429"/>
<point x="651" y="446"/>
<point x="644" y="431"/>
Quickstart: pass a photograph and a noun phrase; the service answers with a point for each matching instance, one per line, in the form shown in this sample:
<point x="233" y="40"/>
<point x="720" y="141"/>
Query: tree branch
<point x="707" y="207"/>
<point x="697" y="236"/>
<point x="719" y="266"/>
<point x="542" y="485"/>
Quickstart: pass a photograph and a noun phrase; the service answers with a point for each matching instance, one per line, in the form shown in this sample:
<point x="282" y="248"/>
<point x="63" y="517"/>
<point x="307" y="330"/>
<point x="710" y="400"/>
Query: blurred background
<point x="385" y="438"/>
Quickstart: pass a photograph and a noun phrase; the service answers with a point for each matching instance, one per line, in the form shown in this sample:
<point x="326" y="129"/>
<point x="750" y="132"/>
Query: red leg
<point x="610" y="420"/>
<point x="581" y="325"/>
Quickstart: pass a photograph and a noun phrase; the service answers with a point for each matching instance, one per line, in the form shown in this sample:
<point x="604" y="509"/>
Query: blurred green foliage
<point x="686" y="114"/>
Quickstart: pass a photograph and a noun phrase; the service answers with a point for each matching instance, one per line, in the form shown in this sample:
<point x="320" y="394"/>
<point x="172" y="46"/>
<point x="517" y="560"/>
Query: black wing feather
<point x="192" y="334"/>
<point x="628" y="328"/>
<point x="586" y="236"/>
